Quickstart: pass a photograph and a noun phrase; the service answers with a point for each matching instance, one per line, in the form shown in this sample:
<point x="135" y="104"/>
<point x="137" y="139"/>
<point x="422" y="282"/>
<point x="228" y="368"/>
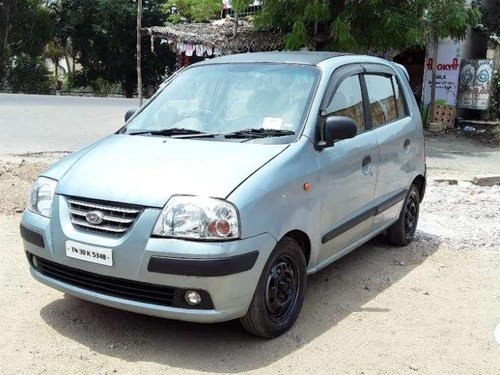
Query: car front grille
<point x="117" y="287"/>
<point x="128" y="289"/>
<point x="117" y="218"/>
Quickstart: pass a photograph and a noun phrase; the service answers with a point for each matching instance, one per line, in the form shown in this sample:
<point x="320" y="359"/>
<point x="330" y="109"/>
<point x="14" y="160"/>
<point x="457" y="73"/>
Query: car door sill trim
<point x="394" y="199"/>
<point x="377" y="210"/>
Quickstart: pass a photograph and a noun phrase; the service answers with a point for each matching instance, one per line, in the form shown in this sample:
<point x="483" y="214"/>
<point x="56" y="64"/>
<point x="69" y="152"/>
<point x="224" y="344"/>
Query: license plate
<point x="89" y="253"/>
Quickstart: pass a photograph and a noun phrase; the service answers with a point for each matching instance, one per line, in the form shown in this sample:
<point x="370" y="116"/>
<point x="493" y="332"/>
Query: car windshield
<point x="229" y="98"/>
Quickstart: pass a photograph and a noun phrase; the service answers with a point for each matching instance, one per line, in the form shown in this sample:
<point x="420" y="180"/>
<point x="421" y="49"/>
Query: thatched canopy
<point x="219" y="36"/>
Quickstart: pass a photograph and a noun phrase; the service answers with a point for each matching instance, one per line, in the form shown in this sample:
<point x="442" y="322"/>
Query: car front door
<point x="348" y="170"/>
<point x="396" y="136"/>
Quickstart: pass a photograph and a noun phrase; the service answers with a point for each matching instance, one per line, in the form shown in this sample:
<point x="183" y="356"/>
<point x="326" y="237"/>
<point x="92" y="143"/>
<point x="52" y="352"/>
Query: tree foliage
<point x="28" y="74"/>
<point x="491" y="18"/>
<point x="363" y="26"/>
<point x="194" y="10"/>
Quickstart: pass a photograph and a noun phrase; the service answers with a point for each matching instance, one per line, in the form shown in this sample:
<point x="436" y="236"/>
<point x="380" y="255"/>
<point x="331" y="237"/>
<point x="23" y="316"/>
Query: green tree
<point x="369" y="26"/>
<point x="54" y="51"/>
<point x="102" y="35"/>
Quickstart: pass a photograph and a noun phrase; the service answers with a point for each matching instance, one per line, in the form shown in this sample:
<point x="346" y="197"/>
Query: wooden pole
<point x="430" y="114"/>
<point x="139" y="52"/>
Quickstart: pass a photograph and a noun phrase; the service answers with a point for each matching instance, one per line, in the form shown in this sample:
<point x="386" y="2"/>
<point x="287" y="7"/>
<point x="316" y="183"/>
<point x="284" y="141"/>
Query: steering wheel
<point x="246" y="121"/>
<point x="201" y="115"/>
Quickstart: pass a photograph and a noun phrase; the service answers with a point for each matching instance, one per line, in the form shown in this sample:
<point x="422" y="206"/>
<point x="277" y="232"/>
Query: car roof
<point x="292" y="57"/>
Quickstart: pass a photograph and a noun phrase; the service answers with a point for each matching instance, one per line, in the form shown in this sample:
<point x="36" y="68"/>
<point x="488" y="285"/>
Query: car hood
<point x="146" y="170"/>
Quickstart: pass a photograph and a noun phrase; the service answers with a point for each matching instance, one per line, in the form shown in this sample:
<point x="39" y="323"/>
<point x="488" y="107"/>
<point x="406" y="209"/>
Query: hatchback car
<point x="240" y="177"/>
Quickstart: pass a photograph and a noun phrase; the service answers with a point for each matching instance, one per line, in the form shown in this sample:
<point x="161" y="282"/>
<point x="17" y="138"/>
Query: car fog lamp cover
<point x="193" y="298"/>
<point x="193" y="217"/>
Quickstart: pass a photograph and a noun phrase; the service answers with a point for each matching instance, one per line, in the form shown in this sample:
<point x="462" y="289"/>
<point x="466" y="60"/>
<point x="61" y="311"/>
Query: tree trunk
<point x="139" y="51"/>
<point x="435" y="50"/>
<point x="129" y="86"/>
<point x="68" y="64"/>
<point x="235" y="29"/>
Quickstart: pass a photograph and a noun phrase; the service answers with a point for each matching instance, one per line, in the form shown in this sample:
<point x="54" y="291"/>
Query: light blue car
<point x="241" y="176"/>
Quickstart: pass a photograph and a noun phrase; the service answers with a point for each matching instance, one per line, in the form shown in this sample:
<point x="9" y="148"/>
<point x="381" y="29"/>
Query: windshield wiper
<point x="170" y="132"/>
<point x="259" y="133"/>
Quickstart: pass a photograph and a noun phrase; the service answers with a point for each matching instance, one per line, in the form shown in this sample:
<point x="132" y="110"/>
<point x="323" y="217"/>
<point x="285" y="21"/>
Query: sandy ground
<point x="429" y="308"/>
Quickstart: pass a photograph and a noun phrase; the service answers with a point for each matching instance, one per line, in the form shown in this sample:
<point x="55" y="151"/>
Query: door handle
<point x="367" y="166"/>
<point x="406" y="145"/>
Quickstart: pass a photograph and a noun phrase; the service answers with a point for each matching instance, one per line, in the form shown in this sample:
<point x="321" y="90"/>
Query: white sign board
<point x="448" y="65"/>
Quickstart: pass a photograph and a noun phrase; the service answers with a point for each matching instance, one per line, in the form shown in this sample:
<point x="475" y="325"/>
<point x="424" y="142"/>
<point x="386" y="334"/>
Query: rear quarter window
<point x="382" y="99"/>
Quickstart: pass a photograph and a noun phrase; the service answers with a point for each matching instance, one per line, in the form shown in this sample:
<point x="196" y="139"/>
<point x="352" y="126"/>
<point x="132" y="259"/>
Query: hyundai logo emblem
<point x="94" y="217"/>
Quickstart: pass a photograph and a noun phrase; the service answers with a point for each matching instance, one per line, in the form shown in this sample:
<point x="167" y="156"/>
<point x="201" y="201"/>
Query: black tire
<point x="274" y="309"/>
<point x="402" y="232"/>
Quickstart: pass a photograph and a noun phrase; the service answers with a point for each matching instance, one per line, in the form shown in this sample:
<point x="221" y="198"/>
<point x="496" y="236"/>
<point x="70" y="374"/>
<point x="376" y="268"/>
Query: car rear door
<point x="348" y="170"/>
<point x="397" y="138"/>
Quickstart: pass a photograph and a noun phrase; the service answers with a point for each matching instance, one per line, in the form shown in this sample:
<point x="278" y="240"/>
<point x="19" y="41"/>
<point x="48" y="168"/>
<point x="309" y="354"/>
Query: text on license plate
<point x="89" y="253"/>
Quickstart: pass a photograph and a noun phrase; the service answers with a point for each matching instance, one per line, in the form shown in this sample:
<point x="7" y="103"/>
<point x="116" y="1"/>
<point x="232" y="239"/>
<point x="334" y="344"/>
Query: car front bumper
<point x="225" y="273"/>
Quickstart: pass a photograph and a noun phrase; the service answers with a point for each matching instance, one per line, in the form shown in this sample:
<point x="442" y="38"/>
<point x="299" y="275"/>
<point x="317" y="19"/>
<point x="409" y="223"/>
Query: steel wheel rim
<point x="411" y="215"/>
<point x="282" y="288"/>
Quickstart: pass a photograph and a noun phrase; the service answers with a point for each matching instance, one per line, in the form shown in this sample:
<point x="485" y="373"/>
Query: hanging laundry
<point x="189" y="49"/>
<point x="200" y="50"/>
<point x="181" y="47"/>
<point x="209" y="50"/>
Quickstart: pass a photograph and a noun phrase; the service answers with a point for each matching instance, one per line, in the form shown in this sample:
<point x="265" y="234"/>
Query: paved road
<point x="451" y="156"/>
<point x="36" y="123"/>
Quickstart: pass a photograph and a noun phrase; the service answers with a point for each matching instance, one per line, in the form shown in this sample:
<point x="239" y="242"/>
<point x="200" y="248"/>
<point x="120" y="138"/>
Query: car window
<point x="400" y="100"/>
<point x="382" y="99"/>
<point x="348" y="101"/>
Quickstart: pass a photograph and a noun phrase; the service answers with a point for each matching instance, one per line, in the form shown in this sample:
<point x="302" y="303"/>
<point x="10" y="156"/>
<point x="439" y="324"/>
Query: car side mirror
<point x="129" y="114"/>
<point x="337" y="128"/>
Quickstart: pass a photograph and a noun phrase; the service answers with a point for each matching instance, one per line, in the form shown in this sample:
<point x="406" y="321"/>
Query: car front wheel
<point x="280" y="292"/>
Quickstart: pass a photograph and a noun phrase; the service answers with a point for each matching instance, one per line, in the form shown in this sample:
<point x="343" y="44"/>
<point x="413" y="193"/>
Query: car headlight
<point x="201" y="218"/>
<point x="41" y="196"/>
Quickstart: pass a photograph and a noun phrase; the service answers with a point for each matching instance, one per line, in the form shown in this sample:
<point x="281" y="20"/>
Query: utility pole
<point x="139" y="41"/>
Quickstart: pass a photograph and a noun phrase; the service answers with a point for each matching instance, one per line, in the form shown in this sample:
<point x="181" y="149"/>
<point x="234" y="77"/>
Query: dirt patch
<point x="15" y="182"/>
<point x="464" y="216"/>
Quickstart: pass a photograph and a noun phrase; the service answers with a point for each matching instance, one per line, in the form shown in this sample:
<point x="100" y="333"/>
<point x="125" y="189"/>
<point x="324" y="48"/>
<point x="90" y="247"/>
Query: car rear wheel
<point x="280" y="292"/>
<point x="402" y="232"/>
